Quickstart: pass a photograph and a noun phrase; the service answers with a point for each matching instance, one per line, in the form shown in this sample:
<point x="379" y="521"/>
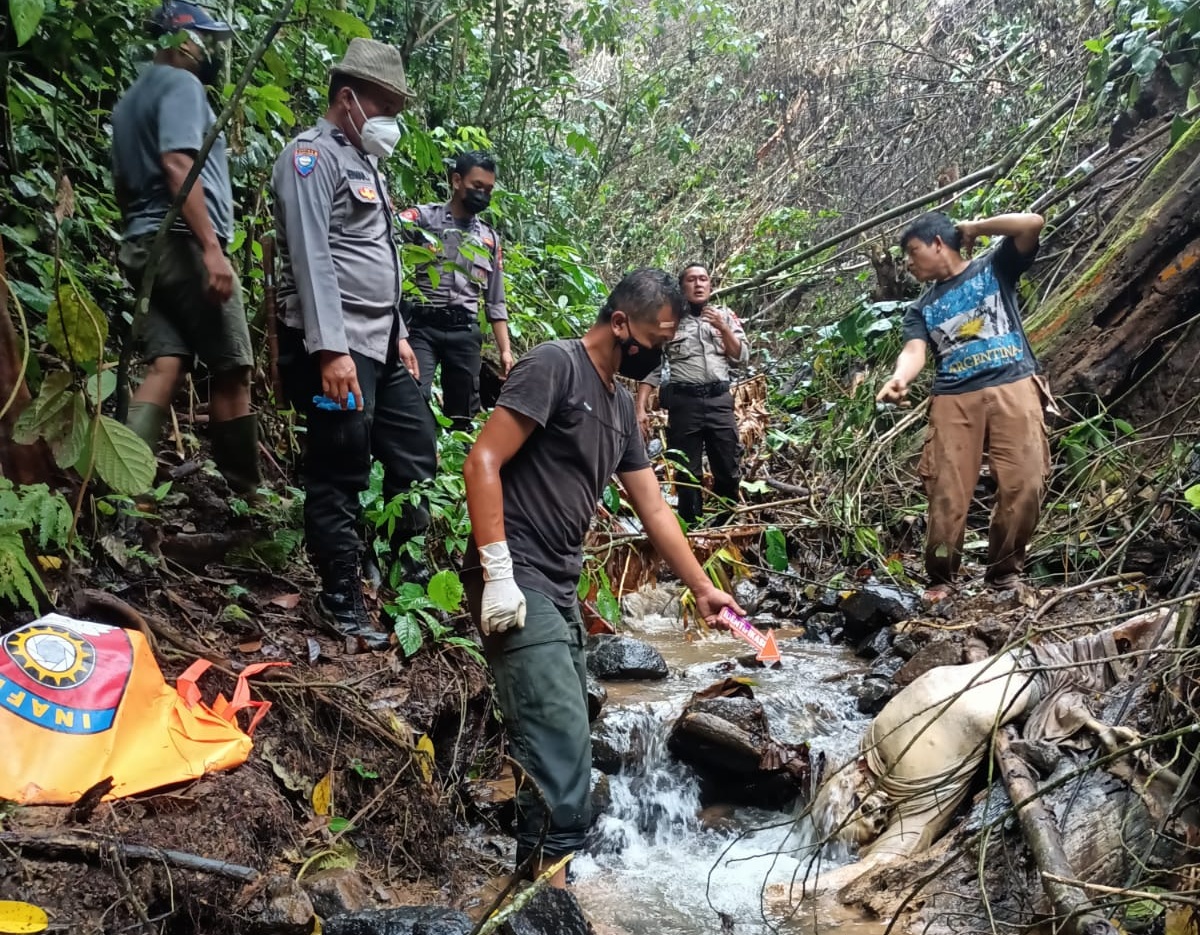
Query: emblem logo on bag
<point x="68" y="679"/>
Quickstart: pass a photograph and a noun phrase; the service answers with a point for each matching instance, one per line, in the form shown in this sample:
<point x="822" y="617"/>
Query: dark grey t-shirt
<point x="973" y="324"/>
<point x="585" y="434"/>
<point x="165" y="111"/>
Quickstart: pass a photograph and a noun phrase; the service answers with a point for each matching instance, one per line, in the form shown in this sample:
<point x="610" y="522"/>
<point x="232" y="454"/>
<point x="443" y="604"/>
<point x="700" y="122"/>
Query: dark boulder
<point x="551" y="912"/>
<point x="597" y="696"/>
<point x="623" y="658"/>
<point x="873" y="607"/>
<point x="930" y="656"/>
<point x="404" y="920"/>
<point x="873" y="694"/>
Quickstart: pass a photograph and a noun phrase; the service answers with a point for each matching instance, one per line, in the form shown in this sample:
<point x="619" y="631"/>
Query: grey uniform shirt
<point x="165" y="111"/>
<point x="585" y="432"/>
<point x="340" y="279"/>
<point x="697" y="352"/>
<point x="470" y="260"/>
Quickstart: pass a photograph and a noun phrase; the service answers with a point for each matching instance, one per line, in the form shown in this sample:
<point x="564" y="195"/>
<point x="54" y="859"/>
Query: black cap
<point x="175" y="15"/>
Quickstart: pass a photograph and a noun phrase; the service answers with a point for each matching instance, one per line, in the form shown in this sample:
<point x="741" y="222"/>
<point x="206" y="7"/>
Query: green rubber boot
<point x="147" y="421"/>
<point x="235" y="450"/>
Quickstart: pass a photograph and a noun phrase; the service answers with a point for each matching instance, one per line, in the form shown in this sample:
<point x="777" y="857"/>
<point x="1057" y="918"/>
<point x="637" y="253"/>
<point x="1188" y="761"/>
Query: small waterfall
<point x="656" y="803"/>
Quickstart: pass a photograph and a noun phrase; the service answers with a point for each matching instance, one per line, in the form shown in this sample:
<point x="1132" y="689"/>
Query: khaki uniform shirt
<point x="340" y="278"/>
<point x="469" y="259"/>
<point x="697" y="352"/>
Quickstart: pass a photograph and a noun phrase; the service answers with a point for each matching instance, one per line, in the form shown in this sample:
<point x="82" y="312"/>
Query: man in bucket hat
<point x="196" y="307"/>
<point x="343" y="348"/>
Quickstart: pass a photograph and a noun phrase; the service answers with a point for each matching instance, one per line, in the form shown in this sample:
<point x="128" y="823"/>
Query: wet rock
<point x="824" y="624"/>
<point x="905" y="646"/>
<point x="622" y="657"/>
<point x="873" y="694"/>
<point x="601" y="793"/>
<point x="941" y="653"/>
<point x="886" y="666"/>
<point x="875" y="644"/>
<point x="288" y="909"/>
<point x="405" y="920"/>
<point x="749" y="595"/>
<point x="337" y="891"/>
<point x="550" y="912"/>
<point x="751" y="661"/>
<point x="727" y="740"/>
<point x="614" y="744"/>
<point x="824" y="601"/>
<point x="767" y="621"/>
<point x="597" y="696"/>
<point x="728" y="733"/>
<point x="656" y="600"/>
<point x="873" y="607"/>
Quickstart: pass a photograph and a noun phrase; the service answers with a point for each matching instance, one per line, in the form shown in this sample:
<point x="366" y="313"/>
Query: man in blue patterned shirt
<point x="986" y="392"/>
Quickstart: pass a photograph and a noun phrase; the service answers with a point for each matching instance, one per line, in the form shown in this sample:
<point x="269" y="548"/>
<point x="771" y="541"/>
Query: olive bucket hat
<point x="376" y="62"/>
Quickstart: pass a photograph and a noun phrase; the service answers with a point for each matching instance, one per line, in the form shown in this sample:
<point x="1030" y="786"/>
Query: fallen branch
<point x="1163" y="899"/>
<point x="67" y="846"/>
<point x="1045" y="842"/>
<point x="1086" y="586"/>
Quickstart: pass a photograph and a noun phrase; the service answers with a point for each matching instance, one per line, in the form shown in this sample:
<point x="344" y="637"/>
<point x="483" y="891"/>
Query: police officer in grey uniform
<point x="342" y="334"/>
<point x="700" y="417"/>
<point x="444" y="318"/>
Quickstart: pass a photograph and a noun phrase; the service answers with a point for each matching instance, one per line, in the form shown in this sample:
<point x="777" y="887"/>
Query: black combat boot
<point x="341" y="606"/>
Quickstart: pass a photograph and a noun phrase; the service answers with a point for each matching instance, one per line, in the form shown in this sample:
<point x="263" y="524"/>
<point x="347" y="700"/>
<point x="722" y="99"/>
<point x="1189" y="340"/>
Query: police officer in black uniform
<point x="444" y="319"/>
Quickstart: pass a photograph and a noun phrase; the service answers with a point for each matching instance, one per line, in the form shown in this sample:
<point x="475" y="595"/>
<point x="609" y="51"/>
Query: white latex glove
<point x="503" y="605"/>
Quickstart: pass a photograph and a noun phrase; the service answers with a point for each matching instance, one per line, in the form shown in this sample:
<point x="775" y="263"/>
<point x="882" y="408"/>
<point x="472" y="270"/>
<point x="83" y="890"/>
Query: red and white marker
<point x="742" y="628"/>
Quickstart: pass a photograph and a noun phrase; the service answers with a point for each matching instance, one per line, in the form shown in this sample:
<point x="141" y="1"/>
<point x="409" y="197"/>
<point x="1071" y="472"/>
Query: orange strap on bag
<point x="81" y="701"/>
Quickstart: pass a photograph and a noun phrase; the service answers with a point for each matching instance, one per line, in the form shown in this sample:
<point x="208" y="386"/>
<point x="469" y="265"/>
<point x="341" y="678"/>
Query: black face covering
<point x="475" y="201"/>
<point x="637" y="360"/>
<point x="210" y="69"/>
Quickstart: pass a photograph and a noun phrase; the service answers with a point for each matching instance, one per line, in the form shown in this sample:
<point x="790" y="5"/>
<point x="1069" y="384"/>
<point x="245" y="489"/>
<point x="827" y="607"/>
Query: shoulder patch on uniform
<point x="410" y="214"/>
<point x="305" y="160"/>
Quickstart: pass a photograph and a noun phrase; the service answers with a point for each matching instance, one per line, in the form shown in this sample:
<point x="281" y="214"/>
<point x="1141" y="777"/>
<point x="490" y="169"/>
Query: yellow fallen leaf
<point x="424" y="754"/>
<point x="322" y="795"/>
<point x="49" y="562"/>
<point x="317" y="928"/>
<point x="18" y="918"/>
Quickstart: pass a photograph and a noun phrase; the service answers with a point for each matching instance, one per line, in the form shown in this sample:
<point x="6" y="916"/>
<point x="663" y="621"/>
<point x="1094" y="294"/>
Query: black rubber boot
<point x="341" y="606"/>
<point x="235" y="450"/>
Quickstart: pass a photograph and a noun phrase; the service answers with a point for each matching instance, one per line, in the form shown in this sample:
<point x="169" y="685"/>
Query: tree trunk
<point x="22" y="464"/>
<point x="1045" y="843"/>
<point x="1119" y="317"/>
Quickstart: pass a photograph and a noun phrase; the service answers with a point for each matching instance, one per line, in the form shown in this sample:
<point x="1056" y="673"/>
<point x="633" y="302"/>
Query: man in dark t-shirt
<point x="986" y="392"/>
<point x="561" y="428"/>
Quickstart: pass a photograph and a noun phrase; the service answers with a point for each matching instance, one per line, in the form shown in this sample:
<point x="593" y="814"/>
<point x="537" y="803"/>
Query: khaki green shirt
<point x="469" y="260"/>
<point x="697" y="352"/>
<point x="340" y="277"/>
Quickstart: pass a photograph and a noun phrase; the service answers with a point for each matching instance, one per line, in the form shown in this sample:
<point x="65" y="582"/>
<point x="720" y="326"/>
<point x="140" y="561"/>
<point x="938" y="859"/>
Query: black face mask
<point x="475" y="201"/>
<point x="637" y="360"/>
<point x="210" y="70"/>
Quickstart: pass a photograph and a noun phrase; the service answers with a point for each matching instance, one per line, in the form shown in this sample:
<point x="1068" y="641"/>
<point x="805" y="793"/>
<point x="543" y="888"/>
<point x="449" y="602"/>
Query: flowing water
<point x="656" y="864"/>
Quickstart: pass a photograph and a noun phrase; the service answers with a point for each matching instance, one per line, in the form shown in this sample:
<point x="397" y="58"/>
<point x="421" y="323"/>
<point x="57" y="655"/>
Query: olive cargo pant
<point x="541" y="686"/>
<point x="1007" y="420"/>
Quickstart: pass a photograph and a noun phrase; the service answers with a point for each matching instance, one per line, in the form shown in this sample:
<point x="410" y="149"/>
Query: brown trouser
<point x="1007" y="420"/>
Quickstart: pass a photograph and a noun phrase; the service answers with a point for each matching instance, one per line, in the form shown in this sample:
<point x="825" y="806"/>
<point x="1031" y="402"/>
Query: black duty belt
<point x="703" y="390"/>
<point x="451" y="317"/>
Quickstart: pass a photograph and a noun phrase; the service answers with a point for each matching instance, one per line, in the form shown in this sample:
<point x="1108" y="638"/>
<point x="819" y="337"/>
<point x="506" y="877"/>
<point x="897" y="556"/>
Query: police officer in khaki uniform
<point x="700" y="417"/>
<point x="444" y="320"/>
<point x="342" y="334"/>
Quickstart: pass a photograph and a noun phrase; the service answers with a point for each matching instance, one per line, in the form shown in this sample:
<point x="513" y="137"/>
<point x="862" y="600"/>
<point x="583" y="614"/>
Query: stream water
<point x="655" y="864"/>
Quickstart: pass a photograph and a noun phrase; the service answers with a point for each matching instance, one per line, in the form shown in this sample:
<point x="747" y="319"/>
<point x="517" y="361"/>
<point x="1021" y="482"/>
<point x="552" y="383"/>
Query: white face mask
<point x="379" y="135"/>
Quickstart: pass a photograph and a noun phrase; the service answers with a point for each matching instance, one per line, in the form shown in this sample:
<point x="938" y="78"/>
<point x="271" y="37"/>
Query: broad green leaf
<point x="47" y="414"/>
<point x="75" y="325"/>
<point x="26" y="14"/>
<point x="446" y="590"/>
<point x="101" y="386"/>
<point x="1192" y="495"/>
<point x="338" y="825"/>
<point x="347" y="23"/>
<point x="69" y="448"/>
<point x="408" y="632"/>
<point x="122" y="460"/>
<point x="607" y="605"/>
<point x="612" y="499"/>
<point x="1179" y="127"/>
<point x="777" y="556"/>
